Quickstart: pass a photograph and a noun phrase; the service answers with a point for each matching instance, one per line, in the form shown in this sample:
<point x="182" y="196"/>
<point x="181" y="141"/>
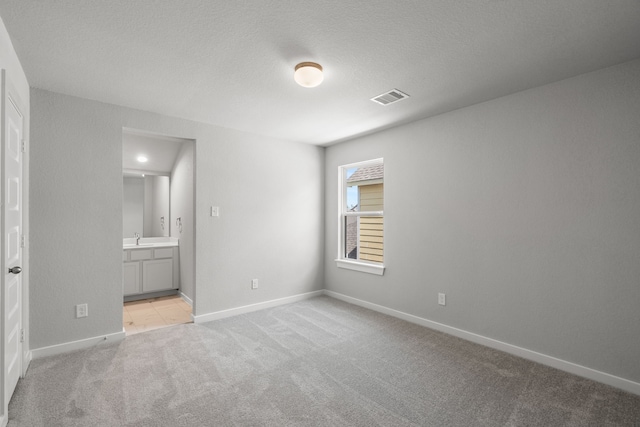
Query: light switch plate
<point x="82" y="310"/>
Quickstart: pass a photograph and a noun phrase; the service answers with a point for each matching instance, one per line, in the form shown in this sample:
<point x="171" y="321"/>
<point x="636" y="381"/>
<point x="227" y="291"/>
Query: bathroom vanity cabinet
<point x="150" y="269"/>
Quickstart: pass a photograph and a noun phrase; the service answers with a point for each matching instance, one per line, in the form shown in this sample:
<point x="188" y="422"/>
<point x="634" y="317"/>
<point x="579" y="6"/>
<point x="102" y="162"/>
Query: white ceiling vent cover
<point x="394" y="95"/>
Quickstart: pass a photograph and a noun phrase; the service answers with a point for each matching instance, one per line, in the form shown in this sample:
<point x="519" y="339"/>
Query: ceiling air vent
<point x="390" y="97"/>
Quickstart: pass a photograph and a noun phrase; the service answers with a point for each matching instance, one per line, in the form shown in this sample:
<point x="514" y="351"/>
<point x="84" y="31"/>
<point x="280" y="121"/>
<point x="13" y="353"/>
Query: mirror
<point x="145" y="207"/>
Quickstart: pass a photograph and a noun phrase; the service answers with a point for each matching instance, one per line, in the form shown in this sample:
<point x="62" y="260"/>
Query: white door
<point x="12" y="122"/>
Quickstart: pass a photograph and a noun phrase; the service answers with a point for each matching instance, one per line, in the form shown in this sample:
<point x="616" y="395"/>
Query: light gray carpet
<point x="319" y="362"/>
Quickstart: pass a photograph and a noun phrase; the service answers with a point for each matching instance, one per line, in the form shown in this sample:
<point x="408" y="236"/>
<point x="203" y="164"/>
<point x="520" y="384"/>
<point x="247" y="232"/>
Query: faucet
<point x="137" y="237"/>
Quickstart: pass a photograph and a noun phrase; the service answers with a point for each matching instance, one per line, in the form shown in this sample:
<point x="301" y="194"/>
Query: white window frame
<point x="342" y="262"/>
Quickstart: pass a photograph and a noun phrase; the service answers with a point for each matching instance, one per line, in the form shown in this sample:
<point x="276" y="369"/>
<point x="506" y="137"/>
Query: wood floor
<point x="155" y="313"/>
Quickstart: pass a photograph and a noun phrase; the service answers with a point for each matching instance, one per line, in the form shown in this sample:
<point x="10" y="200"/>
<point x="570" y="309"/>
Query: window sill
<point x="363" y="267"/>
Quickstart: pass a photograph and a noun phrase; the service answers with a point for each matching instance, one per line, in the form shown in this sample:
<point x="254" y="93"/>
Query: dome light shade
<point x="142" y="159"/>
<point x="308" y="74"/>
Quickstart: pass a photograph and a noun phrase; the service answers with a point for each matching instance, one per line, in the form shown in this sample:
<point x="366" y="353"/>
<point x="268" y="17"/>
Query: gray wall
<point x="524" y="210"/>
<point x="76" y="218"/>
<point x="182" y="190"/>
<point x="271" y="228"/>
<point x="271" y="225"/>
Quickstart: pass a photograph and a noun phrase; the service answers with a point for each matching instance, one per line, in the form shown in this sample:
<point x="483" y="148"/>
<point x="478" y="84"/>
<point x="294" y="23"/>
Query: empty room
<point x="357" y="213"/>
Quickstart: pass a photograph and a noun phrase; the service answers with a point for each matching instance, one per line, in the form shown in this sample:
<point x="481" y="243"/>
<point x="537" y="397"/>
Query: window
<point x="361" y="216"/>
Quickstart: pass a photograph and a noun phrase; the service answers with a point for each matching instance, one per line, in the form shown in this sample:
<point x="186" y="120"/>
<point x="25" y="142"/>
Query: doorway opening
<point x="158" y="219"/>
<point x="154" y="313"/>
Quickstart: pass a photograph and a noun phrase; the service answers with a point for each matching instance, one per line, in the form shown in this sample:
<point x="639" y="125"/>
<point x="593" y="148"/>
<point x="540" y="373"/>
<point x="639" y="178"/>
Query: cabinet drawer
<point x="139" y="254"/>
<point x="163" y="253"/>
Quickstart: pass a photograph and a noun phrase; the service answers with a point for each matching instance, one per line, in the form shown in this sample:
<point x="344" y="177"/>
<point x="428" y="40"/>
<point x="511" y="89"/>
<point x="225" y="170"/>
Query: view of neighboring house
<point x="365" y="234"/>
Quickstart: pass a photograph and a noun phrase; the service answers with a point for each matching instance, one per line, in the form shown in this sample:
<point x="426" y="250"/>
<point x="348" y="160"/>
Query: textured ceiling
<point x="231" y="63"/>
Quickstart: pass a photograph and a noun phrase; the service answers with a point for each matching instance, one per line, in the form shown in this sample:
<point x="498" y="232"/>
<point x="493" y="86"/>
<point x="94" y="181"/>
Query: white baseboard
<point x="26" y="361"/>
<point x="186" y="299"/>
<point x="563" y="365"/>
<point x="254" y="307"/>
<point x="77" y="345"/>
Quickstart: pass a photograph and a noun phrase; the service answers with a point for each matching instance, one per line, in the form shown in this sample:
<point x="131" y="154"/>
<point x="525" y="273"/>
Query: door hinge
<point x="21" y="335"/>
<point x="23" y="146"/>
<point x="23" y="241"/>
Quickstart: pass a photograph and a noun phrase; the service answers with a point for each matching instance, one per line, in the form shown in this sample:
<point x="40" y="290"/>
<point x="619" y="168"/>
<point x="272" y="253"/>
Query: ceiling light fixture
<point x="308" y="74"/>
<point x="142" y="159"/>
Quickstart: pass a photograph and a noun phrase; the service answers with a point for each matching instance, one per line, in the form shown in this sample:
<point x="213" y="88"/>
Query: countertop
<point x="149" y="242"/>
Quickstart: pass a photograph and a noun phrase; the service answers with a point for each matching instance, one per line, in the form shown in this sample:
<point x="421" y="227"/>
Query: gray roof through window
<point x="367" y="173"/>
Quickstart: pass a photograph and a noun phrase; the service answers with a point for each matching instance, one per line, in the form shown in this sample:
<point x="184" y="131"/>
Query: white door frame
<point x="9" y="92"/>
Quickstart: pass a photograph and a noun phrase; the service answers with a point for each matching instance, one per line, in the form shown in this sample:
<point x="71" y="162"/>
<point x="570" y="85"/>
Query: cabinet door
<point x="157" y="275"/>
<point x="131" y="278"/>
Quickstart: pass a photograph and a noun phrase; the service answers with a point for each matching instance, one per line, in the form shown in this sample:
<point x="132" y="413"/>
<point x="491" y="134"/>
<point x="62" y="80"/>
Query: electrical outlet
<point x="82" y="310"/>
<point x="441" y="299"/>
<point x="215" y="211"/>
<point x="254" y="283"/>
